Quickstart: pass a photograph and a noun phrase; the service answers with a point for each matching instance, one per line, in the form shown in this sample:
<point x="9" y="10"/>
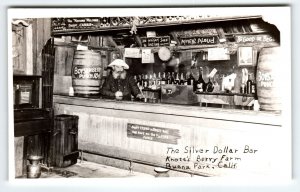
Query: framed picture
<point x="245" y="56"/>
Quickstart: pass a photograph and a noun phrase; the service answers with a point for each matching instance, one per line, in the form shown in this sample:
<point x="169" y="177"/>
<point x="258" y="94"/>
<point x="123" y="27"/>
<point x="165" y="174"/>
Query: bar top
<point x="245" y="116"/>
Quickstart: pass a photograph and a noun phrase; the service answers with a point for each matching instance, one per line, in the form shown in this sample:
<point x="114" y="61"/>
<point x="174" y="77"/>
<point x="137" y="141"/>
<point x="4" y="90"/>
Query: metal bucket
<point x="34" y="168"/>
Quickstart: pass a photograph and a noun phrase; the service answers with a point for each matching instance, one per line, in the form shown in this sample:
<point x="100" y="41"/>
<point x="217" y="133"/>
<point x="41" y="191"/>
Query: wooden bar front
<point x="248" y="139"/>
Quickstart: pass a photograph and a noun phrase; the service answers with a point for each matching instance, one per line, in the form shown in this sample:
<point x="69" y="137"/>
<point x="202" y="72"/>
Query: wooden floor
<point x="86" y="169"/>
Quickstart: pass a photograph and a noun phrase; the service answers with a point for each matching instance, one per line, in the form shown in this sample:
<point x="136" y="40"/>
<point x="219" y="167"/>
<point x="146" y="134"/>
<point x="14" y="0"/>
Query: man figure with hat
<point x="118" y="85"/>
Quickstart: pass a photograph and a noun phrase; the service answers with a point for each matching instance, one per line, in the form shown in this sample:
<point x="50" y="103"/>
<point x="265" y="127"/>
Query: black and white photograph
<point x="152" y="93"/>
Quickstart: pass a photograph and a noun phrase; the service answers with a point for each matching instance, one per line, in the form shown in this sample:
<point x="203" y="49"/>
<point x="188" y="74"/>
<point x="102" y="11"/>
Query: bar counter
<point x="245" y="116"/>
<point x="248" y="139"/>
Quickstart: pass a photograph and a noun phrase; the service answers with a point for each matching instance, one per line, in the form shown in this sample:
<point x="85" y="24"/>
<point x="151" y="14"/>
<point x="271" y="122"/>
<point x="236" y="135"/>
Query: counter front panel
<point x="191" y="139"/>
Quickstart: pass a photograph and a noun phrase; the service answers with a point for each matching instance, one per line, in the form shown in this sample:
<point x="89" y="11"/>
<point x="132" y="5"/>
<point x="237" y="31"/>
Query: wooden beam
<point x="34" y="46"/>
<point x="137" y="40"/>
<point x="111" y="41"/>
<point x="221" y="34"/>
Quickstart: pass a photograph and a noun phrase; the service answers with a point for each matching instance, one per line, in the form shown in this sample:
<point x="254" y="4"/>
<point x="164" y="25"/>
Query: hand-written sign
<point x="75" y="23"/>
<point x="254" y="39"/>
<point x="197" y="158"/>
<point x="151" y="133"/>
<point x="210" y="40"/>
<point x="266" y="79"/>
<point x="155" y="41"/>
<point x="83" y="72"/>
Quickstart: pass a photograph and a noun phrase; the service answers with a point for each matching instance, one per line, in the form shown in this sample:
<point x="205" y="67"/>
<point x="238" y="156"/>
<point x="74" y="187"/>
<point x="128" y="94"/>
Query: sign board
<point x="155" y="41"/>
<point x="61" y="24"/>
<point x="215" y="54"/>
<point x="152" y="133"/>
<point x="254" y="39"/>
<point x="132" y="53"/>
<point x="210" y="40"/>
<point x="147" y="56"/>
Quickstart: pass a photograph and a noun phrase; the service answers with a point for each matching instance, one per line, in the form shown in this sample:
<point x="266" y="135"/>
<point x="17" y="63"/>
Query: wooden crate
<point x="65" y="140"/>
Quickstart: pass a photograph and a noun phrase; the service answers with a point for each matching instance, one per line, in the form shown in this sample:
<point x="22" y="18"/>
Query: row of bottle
<point x="153" y="81"/>
<point x="249" y="87"/>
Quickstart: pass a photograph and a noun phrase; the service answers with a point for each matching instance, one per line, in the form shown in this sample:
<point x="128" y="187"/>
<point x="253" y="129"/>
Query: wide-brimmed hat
<point x="119" y="62"/>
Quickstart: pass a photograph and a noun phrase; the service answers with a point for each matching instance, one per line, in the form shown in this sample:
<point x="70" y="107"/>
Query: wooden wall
<point x="28" y="43"/>
<point x="40" y="34"/>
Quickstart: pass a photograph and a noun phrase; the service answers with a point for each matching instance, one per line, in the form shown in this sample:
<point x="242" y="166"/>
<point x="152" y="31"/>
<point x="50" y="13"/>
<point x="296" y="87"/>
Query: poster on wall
<point x="245" y="56"/>
<point x="137" y="129"/>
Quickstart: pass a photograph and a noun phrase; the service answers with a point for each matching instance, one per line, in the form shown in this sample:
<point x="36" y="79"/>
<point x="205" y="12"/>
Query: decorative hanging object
<point x="135" y="22"/>
<point x="164" y="54"/>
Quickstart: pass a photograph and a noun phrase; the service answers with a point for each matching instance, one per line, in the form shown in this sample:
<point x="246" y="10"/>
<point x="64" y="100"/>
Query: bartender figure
<point x="119" y="85"/>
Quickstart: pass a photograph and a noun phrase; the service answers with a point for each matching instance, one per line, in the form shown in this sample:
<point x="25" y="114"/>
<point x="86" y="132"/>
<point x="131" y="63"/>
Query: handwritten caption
<point x="216" y="157"/>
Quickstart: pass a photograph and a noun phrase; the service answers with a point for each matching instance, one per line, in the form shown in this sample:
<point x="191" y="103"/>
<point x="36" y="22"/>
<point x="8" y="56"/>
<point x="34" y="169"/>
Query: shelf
<point x="25" y="77"/>
<point x="152" y="90"/>
<point x="227" y="94"/>
<point x="151" y="25"/>
<point x="74" y="45"/>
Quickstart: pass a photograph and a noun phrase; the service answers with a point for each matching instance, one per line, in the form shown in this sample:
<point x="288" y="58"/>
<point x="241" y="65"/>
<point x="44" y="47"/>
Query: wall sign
<point x="210" y="40"/>
<point x="215" y="54"/>
<point x="254" y="39"/>
<point x="155" y="41"/>
<point x="132" y="53"/>
<point x="151" y="133"/>
<point x="61" y="24"/>
<point x="94" y="23"/>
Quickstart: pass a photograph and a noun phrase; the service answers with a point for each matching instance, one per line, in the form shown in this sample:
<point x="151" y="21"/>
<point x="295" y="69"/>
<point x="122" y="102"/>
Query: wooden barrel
<point x="268" y="79"/>
<point x="87" y="71"/>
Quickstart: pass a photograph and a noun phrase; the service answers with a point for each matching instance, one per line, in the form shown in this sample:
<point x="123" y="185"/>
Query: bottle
<point x="203" y="56"/>
<point x="209" y="86"/>
<point x="168" y="78"/>
<point x="71" y="91"/>
<point x="191" y="80"/>
<point x="146" y="82"/>
<point x="139" y="82"/>
<point x="249" y="85"/>
<point x="256" y="105"/>
<point x="177" y="80"/>
<point x="243" y="88"/>
<point x="200" y="84"/>
<point x="163" y="79"/>
<point x="150" y="80"/>
<point x="186" y="79"/>
<point x="172" y="78"/>
<point x="142" y="81"/>
<point x="154" y="81"/>
<point x="216" y="86"/>
<point x="181" y="79"/>
<point x="158" y="80"/>
<point x="253" y="87"/>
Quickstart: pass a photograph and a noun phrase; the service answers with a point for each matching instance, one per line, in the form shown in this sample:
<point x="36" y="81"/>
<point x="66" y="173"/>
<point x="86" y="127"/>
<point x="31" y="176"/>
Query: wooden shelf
<point x="226" y="94"/>
<point x="74" y="45"/>
<point x="152" y="25"/>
